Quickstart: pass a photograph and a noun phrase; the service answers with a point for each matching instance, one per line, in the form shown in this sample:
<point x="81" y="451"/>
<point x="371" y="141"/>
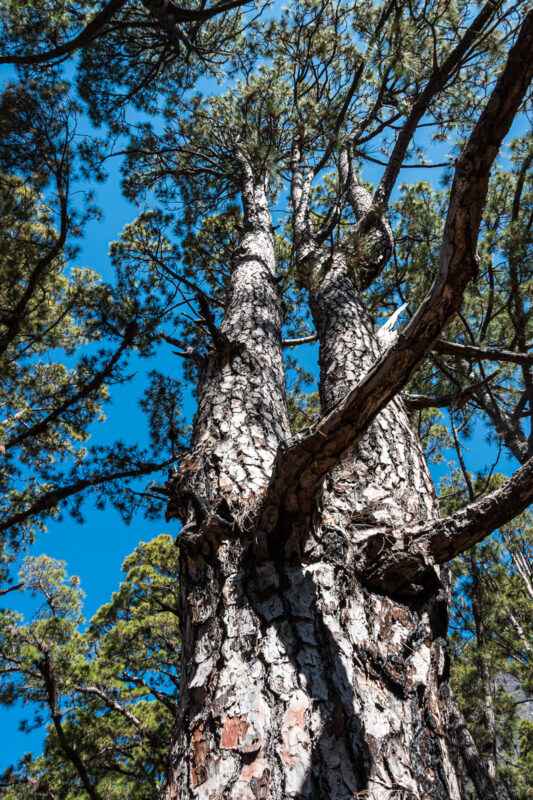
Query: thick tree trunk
<point x="242" y="413"/>
<point x="299" y="682"/>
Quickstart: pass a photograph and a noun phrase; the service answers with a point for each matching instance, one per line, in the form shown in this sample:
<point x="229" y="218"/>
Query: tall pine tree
<point x="314" y="594"/>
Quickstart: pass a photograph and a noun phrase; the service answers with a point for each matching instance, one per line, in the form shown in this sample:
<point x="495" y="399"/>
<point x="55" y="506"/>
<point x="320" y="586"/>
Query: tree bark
<point x="242" y="413"/>
<point x="297" y="681"/>
<point x="301" y="678"/>
<point x="476" y="769"/>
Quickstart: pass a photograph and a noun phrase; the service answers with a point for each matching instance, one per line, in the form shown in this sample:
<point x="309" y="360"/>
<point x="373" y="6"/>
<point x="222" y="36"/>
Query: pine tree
<point x="65" y="334"/>
<point x="110" y="725"/>
<point x="313" y="579"/>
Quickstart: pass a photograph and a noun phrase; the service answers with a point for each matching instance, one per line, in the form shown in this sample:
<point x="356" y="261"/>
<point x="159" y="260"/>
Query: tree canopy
<point x="109" y="692"/>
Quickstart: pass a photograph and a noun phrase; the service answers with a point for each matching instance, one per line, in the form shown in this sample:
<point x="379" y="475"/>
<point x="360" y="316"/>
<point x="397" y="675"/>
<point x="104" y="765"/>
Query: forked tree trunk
<point x="299" y="682"/>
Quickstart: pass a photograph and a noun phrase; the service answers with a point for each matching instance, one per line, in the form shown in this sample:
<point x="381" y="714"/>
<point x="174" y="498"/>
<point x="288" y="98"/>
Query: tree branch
<point x="165" y="12"/>
<point x="303" y="462"/>
<point x="50" y="499"/>
<point x="415" y="402"/>
<point x="378" y="241"/>
<point x="112" y="703"/>
<point x="406" y="564"/>
<point x="300" y="191"/>
<point x="91" y="30"/>
<point x="46" y="668"/>
<point x="184" y="350"/>
<point x="16" y="315"/>
<point x="83" y="392"/>
<point x="178" y="14"/>
<point x="435" y="84"/>
<point x="220" y="340"/>
<point x="302" y="340"/>
<point x="483" y="353"/>
<point x="14" y="588"/>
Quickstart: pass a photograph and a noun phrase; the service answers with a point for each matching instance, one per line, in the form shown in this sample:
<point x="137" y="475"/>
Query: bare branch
<point x="184" y="350"/>
<point x="160" y="8"/>
<point x="483" y="353"/>
<point x="302" y="340"/>
<point x="14" y="588"/>
<point x="415" y="402"/>
<point x="220" y="340"/>
<point x="406" y="565"/>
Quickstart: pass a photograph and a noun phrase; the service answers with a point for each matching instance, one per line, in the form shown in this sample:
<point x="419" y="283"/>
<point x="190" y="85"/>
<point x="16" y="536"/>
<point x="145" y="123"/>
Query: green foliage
<point x="525" y="733"/>
<point x="433" y="432"/>
<point x="107" y="695"/>
<point x="65" y="335"/>
<point x="492" y="638"/>
<point x="303" y="407"/>
<point x="136" y="59"/>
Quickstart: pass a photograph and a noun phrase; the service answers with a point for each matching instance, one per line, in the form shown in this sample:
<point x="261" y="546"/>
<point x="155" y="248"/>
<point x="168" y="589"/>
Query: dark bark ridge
<point x="476" y="769"/>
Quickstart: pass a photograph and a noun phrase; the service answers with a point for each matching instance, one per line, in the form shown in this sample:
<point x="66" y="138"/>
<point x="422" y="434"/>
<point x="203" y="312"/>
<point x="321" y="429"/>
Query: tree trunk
<point x="297" y="681"/>
<point x="484" y="670"/>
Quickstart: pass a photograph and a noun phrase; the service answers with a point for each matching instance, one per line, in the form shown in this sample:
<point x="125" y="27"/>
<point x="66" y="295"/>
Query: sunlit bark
<point x="314" y="608"/>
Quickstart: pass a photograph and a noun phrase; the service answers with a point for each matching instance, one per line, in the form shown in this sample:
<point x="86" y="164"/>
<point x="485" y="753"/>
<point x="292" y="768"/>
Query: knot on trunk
<point x="226" y="350"/>
<point x="203" y="520"/>
<point x="393" y="566"/>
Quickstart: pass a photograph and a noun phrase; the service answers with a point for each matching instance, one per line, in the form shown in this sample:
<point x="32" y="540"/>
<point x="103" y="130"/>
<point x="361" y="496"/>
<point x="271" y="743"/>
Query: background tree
<point x="491" y="644"/>
<point x="109" y="692"/>
<point x="48" y="305"/>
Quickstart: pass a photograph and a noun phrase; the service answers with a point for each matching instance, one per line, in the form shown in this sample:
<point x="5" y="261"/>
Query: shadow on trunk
<point x="340" y="761"/>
